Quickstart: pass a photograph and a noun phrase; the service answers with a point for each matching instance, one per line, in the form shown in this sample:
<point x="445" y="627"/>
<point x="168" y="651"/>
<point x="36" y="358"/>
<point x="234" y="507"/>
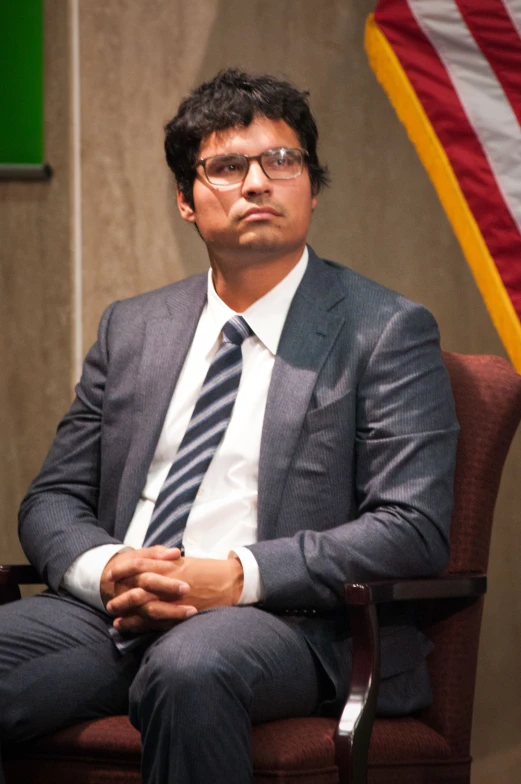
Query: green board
<point x="21" y="87"/>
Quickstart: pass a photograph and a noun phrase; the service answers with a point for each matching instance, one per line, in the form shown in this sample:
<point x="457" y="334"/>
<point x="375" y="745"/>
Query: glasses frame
<point x="248" y="158"/>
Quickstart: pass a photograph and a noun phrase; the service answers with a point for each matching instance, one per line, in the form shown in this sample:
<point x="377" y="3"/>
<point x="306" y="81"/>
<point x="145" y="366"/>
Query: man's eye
<point x="283" y="160"/>
<point x="226" y="166"/>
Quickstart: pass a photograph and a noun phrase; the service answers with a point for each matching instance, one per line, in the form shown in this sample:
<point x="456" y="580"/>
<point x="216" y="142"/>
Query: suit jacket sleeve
<point x="406" y="433"/>
<point x="58" y="517"/>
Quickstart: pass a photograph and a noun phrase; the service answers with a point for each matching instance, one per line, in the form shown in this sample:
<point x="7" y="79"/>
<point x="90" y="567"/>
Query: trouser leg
<point x="58" y="666"/>
<point x="201" y="685"/>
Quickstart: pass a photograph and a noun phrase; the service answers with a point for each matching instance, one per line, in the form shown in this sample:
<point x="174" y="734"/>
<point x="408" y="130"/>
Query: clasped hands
<point x="154" y="588"/>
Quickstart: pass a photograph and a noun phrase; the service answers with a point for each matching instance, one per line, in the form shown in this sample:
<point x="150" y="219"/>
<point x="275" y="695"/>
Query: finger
<point x="168" y="588"/>
<point x="125" y="585"/>
<point x="170" y="554"/>
<point x="161" y="552"/>
<point x="129" y="601"/>
<point x="162" y="611"/>
<point x="135" y="624"/>
<point x="121" y="570"/>
<point x="142" y="581"/>
<point x="155" y="551"/>
<point x="165" y="618"/>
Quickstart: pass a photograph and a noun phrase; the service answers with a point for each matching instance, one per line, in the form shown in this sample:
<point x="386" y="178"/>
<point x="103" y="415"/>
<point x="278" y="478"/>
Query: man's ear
<point x="314" y="198"/>
<point x="186" y="210"/>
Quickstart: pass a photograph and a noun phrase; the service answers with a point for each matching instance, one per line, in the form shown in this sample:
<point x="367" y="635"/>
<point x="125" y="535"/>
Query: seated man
<point x="242" y="443"/>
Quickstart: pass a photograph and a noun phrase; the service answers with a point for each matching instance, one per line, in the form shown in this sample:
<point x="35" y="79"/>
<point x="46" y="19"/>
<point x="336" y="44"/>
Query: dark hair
<point x="235" y="98"/>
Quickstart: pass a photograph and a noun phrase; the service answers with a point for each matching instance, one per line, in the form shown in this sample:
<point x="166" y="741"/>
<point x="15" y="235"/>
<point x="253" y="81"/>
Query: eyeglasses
<point x="282" y="163"/>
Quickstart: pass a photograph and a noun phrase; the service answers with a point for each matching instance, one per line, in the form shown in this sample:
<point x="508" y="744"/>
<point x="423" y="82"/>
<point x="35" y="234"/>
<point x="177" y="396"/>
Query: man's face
<point x="229" y="217"/>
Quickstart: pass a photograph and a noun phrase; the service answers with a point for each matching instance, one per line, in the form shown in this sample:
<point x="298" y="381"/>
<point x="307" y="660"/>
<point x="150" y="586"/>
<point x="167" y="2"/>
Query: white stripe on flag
<point x="513" y="9"/>
<point x="479" y="91"/>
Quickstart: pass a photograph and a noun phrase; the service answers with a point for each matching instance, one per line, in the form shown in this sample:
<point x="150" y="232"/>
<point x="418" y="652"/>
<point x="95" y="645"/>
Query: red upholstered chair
<point x="431" y="747"/>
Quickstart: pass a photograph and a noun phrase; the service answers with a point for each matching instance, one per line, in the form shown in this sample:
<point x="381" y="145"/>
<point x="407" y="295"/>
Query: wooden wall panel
<point x="35" y="296"/>
<point x="496" y="737"/>
<point x="137" y="61"/>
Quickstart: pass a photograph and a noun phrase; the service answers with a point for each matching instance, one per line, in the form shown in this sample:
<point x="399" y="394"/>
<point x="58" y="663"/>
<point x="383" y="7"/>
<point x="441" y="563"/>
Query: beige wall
<point x="35" y="296"/>
<point x="381" y="217"/>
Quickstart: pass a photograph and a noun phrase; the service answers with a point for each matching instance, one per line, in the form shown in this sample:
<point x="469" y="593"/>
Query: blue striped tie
<point x="205" y="431"/>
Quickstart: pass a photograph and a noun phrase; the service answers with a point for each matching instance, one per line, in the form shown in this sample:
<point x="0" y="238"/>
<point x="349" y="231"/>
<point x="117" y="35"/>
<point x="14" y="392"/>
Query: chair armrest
<point x="12" y="576"/>
<point x="354" y="729"/>
<point x="451" y="586"/>
<point x="21" y="574"/>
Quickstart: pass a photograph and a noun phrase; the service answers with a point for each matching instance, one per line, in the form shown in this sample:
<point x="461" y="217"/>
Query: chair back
<point x="487" y="392"/>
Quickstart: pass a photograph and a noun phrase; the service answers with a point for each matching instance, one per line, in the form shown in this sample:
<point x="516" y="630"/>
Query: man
<point x="241" y="444"/>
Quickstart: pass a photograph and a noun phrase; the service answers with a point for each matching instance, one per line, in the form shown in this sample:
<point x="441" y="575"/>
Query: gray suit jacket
<point x="356" y="461"/>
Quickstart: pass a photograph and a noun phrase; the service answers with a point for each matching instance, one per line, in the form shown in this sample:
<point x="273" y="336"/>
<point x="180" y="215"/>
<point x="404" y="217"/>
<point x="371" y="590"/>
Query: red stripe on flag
<point x="496" y="36"/>
<point x="442" y="105"/>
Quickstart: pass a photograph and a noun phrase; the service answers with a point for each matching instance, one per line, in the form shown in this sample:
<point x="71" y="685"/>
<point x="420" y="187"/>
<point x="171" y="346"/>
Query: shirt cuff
<point x="253" y="589"/>
<point x="83" y="577"/>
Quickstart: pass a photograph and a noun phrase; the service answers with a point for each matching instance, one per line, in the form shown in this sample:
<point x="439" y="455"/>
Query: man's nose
<point x="256" y="181"/>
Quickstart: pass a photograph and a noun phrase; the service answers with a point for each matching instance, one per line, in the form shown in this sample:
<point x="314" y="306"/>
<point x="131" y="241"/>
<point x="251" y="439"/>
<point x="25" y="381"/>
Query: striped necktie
<point x="205" y="431"/>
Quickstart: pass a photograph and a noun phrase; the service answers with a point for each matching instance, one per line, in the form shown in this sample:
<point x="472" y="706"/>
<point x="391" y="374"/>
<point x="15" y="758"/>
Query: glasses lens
<point x="226" y="169"/>
<point x="282" y="164"/>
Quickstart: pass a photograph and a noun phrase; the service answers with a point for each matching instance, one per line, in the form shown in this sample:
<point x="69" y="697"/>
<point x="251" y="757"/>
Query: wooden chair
<point x="431" y="747"/>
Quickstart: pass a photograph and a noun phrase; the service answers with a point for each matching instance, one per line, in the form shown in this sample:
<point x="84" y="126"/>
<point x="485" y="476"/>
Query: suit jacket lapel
<point x="166" y="343"/>
<point x="308" y="335"/>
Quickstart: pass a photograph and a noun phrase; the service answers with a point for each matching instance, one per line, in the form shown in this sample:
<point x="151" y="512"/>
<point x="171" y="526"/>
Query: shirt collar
<point x="266" y="316"/>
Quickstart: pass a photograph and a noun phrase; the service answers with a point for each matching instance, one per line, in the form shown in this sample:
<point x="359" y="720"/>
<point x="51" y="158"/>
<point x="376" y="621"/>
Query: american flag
<point x="452" y="69"/>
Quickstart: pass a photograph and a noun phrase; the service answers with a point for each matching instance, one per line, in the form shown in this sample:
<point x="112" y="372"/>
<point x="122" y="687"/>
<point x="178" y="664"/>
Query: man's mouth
<point x="259" y="213"/>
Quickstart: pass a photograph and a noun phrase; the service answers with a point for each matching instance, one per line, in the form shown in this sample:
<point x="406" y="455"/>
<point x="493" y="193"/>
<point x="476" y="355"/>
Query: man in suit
<point x="333" y="463"/>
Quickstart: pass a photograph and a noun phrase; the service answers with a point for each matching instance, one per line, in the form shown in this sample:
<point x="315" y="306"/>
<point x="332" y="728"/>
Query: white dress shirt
<point x="223" y="518"/>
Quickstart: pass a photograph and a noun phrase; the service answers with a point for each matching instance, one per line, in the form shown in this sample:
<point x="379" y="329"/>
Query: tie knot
<point x="236" y="330"/>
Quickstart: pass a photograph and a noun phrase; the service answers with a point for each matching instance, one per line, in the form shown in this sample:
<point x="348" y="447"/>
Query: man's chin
<point x="262" y="240"/>
<point x="255" y="244"/>
<point x="262" y="248"/>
